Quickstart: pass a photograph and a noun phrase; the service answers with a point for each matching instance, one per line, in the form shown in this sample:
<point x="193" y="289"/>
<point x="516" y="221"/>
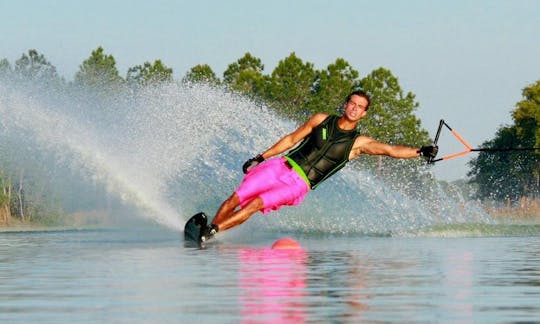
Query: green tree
<point x="290" y="86"/>
<point x="502" y="176"/>
<point x="146" y="74"/>
<point x="35" y="67"/>
<point x="391" y="116"/>
<point x="332" y="86"/>
<point x="245" y="76"/>
<point x="527" y="120"/>
<point x="527" y="114"/>
<point x="201" y="73"/>
<point x="99" y="73"/>
<point x="5" y="68"/>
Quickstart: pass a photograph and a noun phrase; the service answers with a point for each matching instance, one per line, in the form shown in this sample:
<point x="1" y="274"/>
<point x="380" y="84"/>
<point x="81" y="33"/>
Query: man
<point x="329" y="142"/>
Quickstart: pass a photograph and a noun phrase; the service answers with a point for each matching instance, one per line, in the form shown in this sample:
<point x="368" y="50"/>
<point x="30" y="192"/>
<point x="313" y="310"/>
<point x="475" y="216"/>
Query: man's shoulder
<point x="318" y="118"/>
<point x="363" y="139"/>
<point x="320" y="115"/>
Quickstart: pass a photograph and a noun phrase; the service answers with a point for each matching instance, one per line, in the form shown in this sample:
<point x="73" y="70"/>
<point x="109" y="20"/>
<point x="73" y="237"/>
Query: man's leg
<point x="226" y="209"/>
<point x="227" y="217"/>
<point x="242" y="215"/>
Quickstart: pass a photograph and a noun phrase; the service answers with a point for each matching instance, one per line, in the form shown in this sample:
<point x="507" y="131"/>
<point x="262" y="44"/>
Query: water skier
<point x="329" y="142"/>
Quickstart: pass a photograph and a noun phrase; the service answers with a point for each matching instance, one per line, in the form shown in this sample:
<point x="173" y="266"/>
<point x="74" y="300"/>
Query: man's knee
<point x="233" y="199"/>
<point x="256" y="204"/>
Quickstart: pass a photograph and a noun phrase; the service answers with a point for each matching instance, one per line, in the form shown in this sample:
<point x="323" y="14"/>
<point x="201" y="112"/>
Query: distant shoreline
<point x="38" y="228"/>
<point x="16" y="226"/>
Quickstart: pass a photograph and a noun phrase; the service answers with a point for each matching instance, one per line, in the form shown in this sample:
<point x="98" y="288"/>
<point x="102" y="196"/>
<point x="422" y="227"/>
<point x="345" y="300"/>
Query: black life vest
<point x="324" y="151"/>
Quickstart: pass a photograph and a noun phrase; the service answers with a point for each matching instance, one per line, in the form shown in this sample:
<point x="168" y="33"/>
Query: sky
<point x="466" y="61"/>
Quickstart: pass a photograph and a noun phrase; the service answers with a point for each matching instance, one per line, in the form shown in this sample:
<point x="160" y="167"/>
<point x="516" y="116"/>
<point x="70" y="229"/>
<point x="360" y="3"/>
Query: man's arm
<point x="366" y="145"/>
<point x="290" y="140"/>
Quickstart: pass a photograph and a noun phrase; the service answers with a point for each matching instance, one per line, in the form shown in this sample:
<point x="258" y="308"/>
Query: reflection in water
<point x="278" y="286"/>
<point x="340" y="285"/>
<point x="273" y="285"/>
<point x="457" y="284"/>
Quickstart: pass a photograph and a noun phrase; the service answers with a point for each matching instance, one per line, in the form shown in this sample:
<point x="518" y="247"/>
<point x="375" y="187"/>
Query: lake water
<point x="147" y="275"/>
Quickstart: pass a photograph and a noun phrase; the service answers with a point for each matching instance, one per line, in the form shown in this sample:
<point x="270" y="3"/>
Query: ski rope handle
<point x="468" y="146"/>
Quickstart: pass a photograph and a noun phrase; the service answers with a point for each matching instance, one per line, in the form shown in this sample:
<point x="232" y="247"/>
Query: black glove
<point x="252" y="163"/>
<point x="429" y="151"/>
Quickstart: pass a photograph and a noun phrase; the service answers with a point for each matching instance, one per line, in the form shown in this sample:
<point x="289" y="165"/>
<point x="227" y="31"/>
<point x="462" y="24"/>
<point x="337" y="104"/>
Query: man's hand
<point x="251" y="163"/>
<point x="429" y="151"/>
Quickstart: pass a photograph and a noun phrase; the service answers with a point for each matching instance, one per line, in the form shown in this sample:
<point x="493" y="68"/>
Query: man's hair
<point x="361" y="94"/>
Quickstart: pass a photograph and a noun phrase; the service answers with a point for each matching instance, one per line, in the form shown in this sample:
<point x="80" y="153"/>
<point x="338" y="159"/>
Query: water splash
<point x="172" y="150"/>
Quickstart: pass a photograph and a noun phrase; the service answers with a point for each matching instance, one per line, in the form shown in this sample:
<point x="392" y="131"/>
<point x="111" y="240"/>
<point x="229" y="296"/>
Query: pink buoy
<point x="286" y="244"/>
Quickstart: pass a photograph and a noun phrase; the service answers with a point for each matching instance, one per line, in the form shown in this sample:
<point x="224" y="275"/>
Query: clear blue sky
<point x="466" y="61"/>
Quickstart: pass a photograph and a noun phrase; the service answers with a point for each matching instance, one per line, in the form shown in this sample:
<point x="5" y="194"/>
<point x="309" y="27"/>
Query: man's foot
<point x="208" y="232"/>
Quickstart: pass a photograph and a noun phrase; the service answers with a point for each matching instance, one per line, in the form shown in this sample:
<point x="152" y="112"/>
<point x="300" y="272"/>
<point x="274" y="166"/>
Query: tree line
<point x="296" y="90"/>
<point x="511" y="175"/>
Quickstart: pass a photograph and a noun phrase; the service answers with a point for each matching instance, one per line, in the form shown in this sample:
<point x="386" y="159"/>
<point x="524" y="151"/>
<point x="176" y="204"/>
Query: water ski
<point x="193" y="228"/>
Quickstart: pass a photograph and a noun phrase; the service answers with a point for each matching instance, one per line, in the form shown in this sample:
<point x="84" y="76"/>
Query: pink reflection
<point x="273" y="285"/>
<point x="458" y="282"/>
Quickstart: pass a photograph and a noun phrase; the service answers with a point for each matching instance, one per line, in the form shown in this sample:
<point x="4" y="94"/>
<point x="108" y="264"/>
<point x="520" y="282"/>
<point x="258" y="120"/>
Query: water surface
<point x="147" y="275"/>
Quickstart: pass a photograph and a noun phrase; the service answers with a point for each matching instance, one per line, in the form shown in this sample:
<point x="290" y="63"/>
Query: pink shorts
<point x="275" y="182"/>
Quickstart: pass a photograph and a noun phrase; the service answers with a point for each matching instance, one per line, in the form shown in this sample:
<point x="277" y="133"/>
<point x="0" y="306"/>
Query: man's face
<point x="355" y="108"/>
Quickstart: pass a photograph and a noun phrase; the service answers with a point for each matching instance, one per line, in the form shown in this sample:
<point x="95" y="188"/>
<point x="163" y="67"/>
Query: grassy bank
<point x="525" y="210"/>
<point x="80" y="220"/>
